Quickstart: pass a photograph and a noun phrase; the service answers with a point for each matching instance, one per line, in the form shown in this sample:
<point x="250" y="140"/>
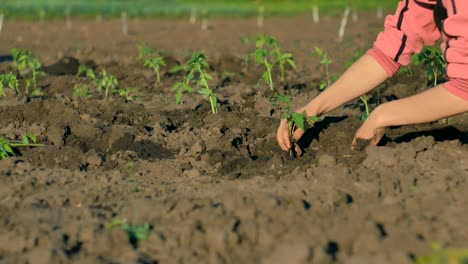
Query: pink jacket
<point x="413" y="27"/>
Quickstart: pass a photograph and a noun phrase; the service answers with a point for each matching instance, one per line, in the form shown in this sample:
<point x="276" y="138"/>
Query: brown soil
<point x="217" y="188"/>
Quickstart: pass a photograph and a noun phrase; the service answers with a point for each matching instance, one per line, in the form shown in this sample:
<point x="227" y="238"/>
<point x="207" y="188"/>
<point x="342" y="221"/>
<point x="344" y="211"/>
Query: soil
<point x="216" y="188"/>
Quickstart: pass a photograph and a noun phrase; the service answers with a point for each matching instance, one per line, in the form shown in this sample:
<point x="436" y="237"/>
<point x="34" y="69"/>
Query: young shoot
<point x="7" y="147"/>
<point x="433" y="63"/>
<point x="197" y="75"/>
<point x="81" y="90"/>
<point x="155" y="64"/>
<point x="127" y="93"/>
<point x="107" y="83"/>
<point x="24" y="62"/>
<point x="87" y="72"/>
<point x="151" y="60"/>
<point x="10" y="81"/>
<point x="135" y="232"/>
<point x="268" y="53"/>
<point x="366" y="112"/>
<point x="325" y="61"/>
<point x="295" y="120"/>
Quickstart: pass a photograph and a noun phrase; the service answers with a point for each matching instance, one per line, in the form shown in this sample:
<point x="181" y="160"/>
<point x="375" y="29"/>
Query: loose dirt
<point x="217" y="188"/>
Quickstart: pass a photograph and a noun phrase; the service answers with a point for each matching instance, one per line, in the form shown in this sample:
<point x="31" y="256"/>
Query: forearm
<point x="363" y="76"/>
<point x="431" y="105"/>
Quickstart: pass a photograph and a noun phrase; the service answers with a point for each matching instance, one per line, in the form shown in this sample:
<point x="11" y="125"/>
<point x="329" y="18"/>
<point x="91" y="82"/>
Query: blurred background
<point x="46" y="9"/>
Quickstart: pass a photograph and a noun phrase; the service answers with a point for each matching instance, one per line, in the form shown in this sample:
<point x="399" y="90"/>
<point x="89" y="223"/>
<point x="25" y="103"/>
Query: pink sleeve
<point x="455" y="47"/>
<point x="408" y="30"/>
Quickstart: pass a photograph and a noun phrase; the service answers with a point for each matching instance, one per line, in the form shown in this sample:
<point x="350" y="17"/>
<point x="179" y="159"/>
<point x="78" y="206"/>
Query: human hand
<point x="368" y="133"/>
<point x="284" y="139"/>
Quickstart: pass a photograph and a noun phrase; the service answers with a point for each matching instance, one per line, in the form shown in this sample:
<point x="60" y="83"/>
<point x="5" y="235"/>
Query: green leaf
<point x="8" y="149"/>
<point x="299" y="120"/>
<point x="292" y="63"/>
<point x="266" y="77"/>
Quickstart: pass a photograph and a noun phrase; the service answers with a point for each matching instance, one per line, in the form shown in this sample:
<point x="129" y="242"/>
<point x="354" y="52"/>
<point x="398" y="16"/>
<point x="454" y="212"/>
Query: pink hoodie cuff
<point x="458" y="87"/>
<point x="390" y="66"/>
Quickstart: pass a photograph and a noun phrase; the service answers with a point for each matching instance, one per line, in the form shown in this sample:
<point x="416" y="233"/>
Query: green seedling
<point x="295" y="120"/>
<point x="7" y="147"/>
<point x="366" y="112"/>
<point x="107" y="83"/>
<point x="444" y="256"/>
<point x="87" y="72"/>
<point x="37" y="92"/>
<point x="150" y="60"/>
<point x="434" y="64"/>
<point x="10" y="81"/>
<point x="155" y="64"/>
<point x="144" y="51"/>
<point x="325" y="61"/>
<point x="127" y="93"/>
<point x="197" y="75"/>
<point x="268" y="53"/>
<point x="136" y="232"/>
<point x="24" y="61"/>
<point x="81" y="90"/>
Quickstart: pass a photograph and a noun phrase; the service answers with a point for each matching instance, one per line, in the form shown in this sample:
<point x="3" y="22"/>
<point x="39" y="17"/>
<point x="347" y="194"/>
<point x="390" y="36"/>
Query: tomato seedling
<point x="366" y="112"/>
<point x="151" y="60"/>
<point x="295" y="120"/>
<point x="107" y="83"/>
<point x="268" y="53"/>
<point x="137" y="232"/>
<point x="9" y="80"/>
<point x="7" y="147"/>
<point x="24" y="60"/>
<point x="197" y="75"/>
<point x="81" y="90"/>
<point x="433" y="63"/>
<point x="87" y="72"/>
<point x="127" y="93"/>
<point x="325" y="61"/>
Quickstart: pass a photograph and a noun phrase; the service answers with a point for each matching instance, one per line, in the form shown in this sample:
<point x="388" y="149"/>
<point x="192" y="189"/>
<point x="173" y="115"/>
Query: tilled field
<point x="217" y="188"/>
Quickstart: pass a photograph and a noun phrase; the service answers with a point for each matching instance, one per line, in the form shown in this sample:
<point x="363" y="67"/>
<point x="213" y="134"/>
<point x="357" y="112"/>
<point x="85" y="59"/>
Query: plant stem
<point x="16" y="145"/>
<point x="269" y="75"/>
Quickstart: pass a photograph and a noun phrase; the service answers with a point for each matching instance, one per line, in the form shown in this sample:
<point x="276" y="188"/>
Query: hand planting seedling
<point x="150" y="60"/>
<point x="7" y="147"/>
<point x="325" y="61"/>
<point x="268" y="53"/>
<point x="197" y="75"/>
<point x="25" y="62"/>
<point x="107" y="83"/>
<point x="433" y="63"/>
<point x="9" y="80"/>
<point x="295" y="120"/>
<point x="81" y="90"/>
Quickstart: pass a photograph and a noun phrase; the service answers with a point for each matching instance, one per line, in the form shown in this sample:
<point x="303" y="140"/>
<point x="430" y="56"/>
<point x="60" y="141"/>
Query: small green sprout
<point x="268" y="53"/>
<point x="37" y="92"/>
<point x="7" y="147"/>
<point x="198" y="75"/>
<point x="325" y="61"/>
<point x="433" y="63"/>
<point x="81" y="90"/>
<point x="444" y="256"/>
<point x="87" y="72"/>
<point x="151" y="60"/>
<point x="135" y="232"/>
<point x="144" y="51"/>
<point x="155" y="64"/>
<point x="295" y="120"/>
<point x="9" y="80"/>
<point x="127" y="93"/>
<point x="107" y="83"/>
<point x="366" y="112"/>
<point x="24" y="60"/>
